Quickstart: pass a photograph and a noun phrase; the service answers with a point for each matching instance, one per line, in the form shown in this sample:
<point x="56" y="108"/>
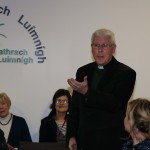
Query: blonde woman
<point x="137" y="123"/>
<point x="14" y="127"/>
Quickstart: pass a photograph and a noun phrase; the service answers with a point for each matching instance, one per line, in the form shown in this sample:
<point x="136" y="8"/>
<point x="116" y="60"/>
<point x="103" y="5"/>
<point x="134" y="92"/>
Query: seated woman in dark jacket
<point x="53" y="127"/>
<point x="14" y="127"/>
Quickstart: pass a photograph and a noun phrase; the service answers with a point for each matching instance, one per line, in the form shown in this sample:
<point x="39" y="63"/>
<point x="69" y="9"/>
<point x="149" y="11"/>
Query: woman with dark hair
<point x="53" y="127"/>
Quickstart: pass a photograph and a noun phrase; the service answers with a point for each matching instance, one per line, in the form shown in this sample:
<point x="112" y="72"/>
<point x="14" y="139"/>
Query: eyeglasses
<point x="59" y="101"/>
<point x="98" y="46"/>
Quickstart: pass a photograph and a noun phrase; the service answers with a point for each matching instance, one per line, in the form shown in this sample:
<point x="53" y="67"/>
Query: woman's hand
<point x="11" y="147"/>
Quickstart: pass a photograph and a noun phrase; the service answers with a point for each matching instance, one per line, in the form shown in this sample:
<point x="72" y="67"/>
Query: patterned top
<point x="61" y="132"/>
<point x="144" y="145"/>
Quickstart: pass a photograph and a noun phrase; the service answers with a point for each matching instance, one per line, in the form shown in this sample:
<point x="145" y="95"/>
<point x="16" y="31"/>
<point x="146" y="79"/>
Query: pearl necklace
<point x="7" y="121"/>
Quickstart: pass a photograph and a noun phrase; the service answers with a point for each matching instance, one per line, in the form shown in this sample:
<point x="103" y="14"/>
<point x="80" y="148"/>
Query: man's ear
<point x="114" y="48"/>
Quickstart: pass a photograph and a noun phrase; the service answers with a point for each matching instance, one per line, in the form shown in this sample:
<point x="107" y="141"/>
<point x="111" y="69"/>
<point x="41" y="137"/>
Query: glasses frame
<point x="59" y="101"/>
<point x="101" y="46"/>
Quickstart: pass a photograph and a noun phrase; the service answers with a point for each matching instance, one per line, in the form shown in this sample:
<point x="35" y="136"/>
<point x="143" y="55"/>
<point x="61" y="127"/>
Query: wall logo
<point x="8" y="55"/>
<point x="1" y="33"/>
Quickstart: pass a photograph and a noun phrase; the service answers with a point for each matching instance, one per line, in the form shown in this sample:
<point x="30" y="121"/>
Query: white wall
<point x="64" y="28"/>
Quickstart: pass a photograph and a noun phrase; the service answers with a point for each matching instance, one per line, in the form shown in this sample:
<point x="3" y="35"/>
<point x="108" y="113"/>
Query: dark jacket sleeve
<point x="73" y="119"/>
<point x="2" y="138"/>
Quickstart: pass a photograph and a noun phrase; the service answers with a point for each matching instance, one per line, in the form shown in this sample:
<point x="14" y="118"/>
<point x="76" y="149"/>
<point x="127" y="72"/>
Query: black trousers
<point x="100" y="141"/>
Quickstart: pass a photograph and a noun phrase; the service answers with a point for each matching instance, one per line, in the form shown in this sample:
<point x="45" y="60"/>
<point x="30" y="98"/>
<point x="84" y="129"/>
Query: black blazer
<point x="48" y="129"/>
<point x="19" y="131"/>
<point x="100" y="113"/>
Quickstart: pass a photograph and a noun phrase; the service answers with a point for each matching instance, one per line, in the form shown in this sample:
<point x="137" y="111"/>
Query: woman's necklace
<point x="7" y="121"/>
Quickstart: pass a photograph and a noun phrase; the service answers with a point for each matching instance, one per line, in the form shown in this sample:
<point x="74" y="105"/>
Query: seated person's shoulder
<point x="46" y="119"/>
<point x="123" y="67"/>
<point x="19" y="119"/>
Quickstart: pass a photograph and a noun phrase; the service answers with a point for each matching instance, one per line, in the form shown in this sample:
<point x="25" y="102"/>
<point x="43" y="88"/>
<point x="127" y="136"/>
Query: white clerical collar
<point x="100" y="67"/>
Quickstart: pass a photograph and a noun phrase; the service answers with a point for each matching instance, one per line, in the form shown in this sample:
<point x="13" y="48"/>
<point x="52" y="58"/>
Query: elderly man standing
<point x="101" y="91"/>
